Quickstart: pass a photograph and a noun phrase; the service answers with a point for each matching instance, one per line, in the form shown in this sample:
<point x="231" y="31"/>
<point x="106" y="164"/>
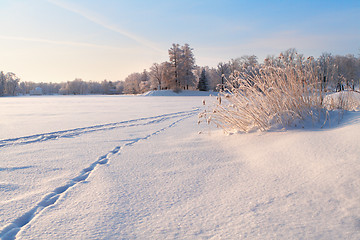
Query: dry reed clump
<point x="270" y="95"/>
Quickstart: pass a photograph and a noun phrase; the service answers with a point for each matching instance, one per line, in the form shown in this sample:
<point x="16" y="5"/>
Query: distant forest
<point x="181" y="73"/>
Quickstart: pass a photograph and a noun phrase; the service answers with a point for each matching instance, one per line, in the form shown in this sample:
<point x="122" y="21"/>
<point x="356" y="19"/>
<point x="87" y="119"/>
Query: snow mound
<point x="347" y="100"/>
<point x="182" y="93"/>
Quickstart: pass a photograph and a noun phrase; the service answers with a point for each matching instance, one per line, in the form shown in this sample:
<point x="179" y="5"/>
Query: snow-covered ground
<point x="136" y="167"/>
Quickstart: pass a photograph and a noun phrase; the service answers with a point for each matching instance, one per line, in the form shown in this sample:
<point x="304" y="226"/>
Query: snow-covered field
<point x="136" y="167"/>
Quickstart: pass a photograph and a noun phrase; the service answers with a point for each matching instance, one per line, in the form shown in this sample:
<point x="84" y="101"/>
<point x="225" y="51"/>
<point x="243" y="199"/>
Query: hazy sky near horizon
<point x="60" y="40"/>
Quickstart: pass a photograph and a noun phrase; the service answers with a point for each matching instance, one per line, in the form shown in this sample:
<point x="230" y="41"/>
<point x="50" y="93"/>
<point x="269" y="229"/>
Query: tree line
<point x="181" y="73"/>
<point x="13" y="87"/>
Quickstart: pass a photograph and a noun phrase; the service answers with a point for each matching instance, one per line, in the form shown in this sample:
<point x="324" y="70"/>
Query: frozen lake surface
<point x="22" y="116"/>
<point x="136" y="167"/>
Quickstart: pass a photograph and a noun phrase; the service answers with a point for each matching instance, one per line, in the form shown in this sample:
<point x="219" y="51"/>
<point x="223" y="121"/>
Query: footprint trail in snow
<point x="10" y="231"/>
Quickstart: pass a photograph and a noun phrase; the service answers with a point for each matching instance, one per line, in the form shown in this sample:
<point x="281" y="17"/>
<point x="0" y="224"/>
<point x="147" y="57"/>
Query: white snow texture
<point x="136" y="167"/>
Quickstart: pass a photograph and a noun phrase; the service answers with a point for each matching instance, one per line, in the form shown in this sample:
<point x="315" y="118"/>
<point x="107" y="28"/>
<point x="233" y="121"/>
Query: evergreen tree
<point x="203" y="84"/>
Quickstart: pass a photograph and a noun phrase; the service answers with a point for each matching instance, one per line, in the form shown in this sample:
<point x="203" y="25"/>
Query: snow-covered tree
<point x="95" y="87"/>
<point x="108" y="87"/>
<point x="156" y="75"/>
<point x="132" y="82"/>
<point x="168" y="76"/>
<point x="183" y="63"/>
<point x="105" y="86"/>
<point x="248" y="61"/>
<point x="234" y="65"/>
<point x="120" y="87"/>
<point x="187" y="63"/>
<point x="75" y="87"/>
<point x="145" y="82"/>
<point x="11" y="83"/>
<point x="175" y="55"/>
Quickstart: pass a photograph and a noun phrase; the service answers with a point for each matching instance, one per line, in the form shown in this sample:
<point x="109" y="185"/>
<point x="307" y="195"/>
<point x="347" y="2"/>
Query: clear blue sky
<point x="60" y="40"/>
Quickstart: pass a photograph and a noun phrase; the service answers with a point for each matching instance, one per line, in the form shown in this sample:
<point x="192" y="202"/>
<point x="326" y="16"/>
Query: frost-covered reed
<point x="268" y="95"/>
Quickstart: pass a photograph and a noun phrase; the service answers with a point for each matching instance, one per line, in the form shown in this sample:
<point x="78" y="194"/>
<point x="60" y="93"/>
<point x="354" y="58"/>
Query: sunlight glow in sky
<point x="60" y="40"/>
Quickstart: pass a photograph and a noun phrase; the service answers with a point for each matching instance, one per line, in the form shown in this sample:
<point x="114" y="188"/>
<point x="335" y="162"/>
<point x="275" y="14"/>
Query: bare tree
<point x="168" y="76"/>
<point x="248" y="61"/>
<point x="223" y="70"/>
<point x="234" y="65"/>
<point x="213" y="78"/>
<point x="327" y="69"/>
<point x="156" y="74"/>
